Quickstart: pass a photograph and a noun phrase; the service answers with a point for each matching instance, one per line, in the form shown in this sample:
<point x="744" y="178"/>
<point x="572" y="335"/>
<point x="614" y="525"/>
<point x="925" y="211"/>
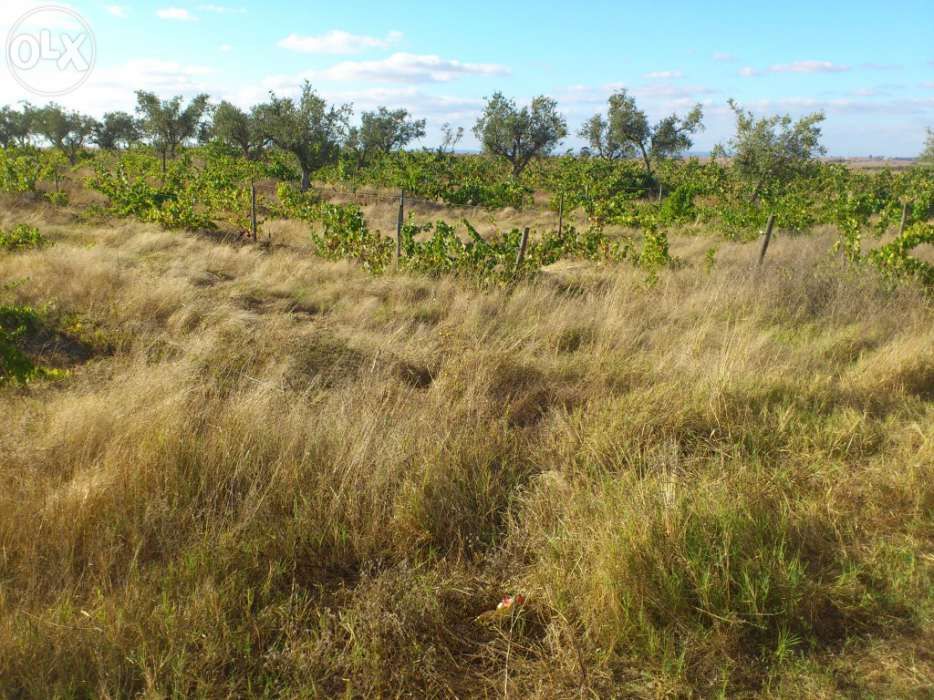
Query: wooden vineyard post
<point x="399" y="222"/>
<point x="561" y="215"/>
<point x="253" y="208"/>
<point x="904" y="223"/>
<point x="523" y="244"/>
<point x="768" y="237"/>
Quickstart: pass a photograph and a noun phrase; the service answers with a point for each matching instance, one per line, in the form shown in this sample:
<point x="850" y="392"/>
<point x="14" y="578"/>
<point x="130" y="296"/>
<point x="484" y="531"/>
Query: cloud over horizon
<point x="337" y="42"/>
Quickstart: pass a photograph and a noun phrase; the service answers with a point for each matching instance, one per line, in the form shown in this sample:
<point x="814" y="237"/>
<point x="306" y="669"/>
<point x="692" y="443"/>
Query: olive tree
<point x="166" y="124"/>
<point x="308" y="128"/>
<point x="66" y="131"/>
<point x="519" y="135"/>
<point x="384" y="131"/>
<point x="240" y="130"/>
<point x="16" y="126"/>
<point x="595" y="132"/>
<point x="769" y="152"/>
<point x="626" y="132"/>
<point x="117" y="130"/>
<point x="450" y="137"/>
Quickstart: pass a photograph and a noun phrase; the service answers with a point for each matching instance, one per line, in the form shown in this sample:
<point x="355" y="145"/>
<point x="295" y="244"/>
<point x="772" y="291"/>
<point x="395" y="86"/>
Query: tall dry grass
<point x="273" y="475"/>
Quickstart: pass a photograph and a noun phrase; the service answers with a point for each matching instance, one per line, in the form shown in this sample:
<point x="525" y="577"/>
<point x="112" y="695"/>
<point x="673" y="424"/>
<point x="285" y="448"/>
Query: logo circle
<point x="44" y="45"/>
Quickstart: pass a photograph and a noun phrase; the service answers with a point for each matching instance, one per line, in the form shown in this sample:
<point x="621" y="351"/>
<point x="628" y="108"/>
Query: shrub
<point x="22" y="237"/>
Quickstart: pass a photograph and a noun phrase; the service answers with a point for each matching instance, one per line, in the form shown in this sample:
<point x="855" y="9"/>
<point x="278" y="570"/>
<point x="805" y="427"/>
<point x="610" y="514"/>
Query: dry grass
<point x="279" y="476"/>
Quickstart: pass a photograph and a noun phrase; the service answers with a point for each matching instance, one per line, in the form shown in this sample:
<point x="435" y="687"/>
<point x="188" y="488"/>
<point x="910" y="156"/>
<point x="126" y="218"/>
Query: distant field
<point x="252" y="471"/>
<point x="879" y="163"/>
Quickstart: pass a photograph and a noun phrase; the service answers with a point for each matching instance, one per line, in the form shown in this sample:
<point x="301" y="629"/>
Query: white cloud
<point x="815" y="67"/>
<point x="177" y="14"/>
<point x="112" y="88"/>
<point x="723" y="57"/>
<point x="117" y="10"/>
<point x="901" y="107"/>
<point x="664" y="75"/>
<point x="337" y="42"/>
<point x="222" y="9"/>
<point x="413" y="99"/>
<point x="225" y="48"/>
<point x="408" y="68"/>
<point x="809" y="67"/>
<point x="153" y="74"/>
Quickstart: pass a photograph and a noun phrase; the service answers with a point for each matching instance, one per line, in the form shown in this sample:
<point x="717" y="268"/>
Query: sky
<point x="868" y="64"/>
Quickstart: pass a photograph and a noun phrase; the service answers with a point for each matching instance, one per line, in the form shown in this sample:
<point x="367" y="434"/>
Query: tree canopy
<point x="384" y="131"/>
<point x="450" y="137"/>
<point x="309" y="128"/>
<point x="67" y="131"/>
<point x="519" y="135"/>
<point x="626" y="132"/>
<point x="166" y="124"/>
<point x="770" y="151"/>
<point x="240" y="130"/>
<point x="117" y="130"/>
<point x="15" y="126"/>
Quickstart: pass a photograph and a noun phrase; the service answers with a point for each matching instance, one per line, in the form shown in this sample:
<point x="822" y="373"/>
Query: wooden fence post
<point x="399" y="223"/>
<point x="523" y="244"/>
<point x="561" y="215"/>
<point x="768" y="237"/>
<point x="901" y="227"/>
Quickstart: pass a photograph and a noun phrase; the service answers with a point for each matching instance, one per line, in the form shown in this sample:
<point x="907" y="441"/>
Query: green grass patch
<point x="17" y="325"/>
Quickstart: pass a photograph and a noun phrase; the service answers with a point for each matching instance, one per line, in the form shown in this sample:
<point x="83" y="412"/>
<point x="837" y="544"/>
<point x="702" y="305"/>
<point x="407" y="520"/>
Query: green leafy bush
<point x="135" y="189"/>
<point x="895" y="260"/>
<point x="22" y="237"/>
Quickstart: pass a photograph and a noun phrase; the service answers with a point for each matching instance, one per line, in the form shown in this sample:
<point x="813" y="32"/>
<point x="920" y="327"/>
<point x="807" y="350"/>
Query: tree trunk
<point x="647" y="164"/>
<point x="519" y="165"/>
<point x="163" y="163"/>
<point x="768" y="237"/>
<point x="306" y="179"/>
<point x="755" y="193"/>
<point x="645" y="160"/>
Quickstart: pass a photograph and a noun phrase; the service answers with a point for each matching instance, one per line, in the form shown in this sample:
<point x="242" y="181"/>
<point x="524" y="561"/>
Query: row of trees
<point x="765" y="150"/>
<point x="314" y="132"/>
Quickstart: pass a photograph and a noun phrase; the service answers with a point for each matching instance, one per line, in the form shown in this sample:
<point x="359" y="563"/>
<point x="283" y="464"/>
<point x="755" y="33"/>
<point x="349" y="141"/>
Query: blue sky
<point x="868" y="65"/>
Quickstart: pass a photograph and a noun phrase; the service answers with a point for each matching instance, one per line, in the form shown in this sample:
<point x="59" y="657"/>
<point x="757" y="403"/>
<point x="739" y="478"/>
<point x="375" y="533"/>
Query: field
<point x="283" y="468"/>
